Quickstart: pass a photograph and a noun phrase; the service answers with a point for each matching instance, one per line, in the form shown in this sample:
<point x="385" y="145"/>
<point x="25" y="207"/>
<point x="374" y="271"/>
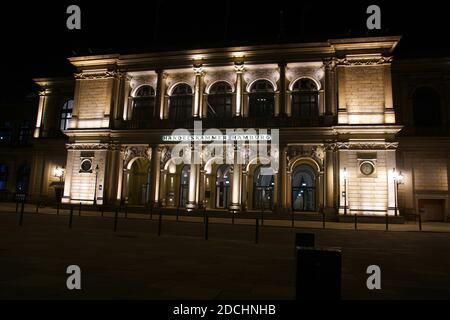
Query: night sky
<point x="36" y="42"/>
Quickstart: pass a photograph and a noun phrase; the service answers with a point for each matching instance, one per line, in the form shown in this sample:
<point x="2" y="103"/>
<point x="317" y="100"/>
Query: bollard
<point x="70" y="217"/>
<point x="387" y="222"/>
<point x="323" y="219"/>
<point x="356" y="221"/>
<point x="178" y="212"/>
<point x="206" y="227"/>
<point x="292" y="220"/>
<point x="103" y="210"/>
<point x="21" y="214"/>
<point x="159" y="224"/>
<point x="257" y="231"/>
<point x="116" y="217"/>
<point x="57" y="207"/>
<point x="79" y="210"/>
<point x="420" y="222"/>
<point x="262" y="216"/>
<point x="232" y="217"/>
<point x="37" y="206"/>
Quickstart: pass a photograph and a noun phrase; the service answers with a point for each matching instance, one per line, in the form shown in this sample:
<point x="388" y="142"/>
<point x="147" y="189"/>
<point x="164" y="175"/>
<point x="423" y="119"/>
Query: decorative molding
<point x="366" y="145"/>
<point x="90" y="146"/>
<point x="96" y="75"/>
<point x="364" y="60"/>
<point x="131" y="152"/>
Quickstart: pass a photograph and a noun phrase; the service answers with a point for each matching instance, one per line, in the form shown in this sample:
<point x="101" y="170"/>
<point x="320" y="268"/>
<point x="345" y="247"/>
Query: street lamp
<point x="344" y="175"/>
<point x="398" y="179"/>
<point x="95" y="190"/>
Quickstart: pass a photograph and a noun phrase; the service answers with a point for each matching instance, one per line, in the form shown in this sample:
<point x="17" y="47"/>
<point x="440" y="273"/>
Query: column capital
<point x="239" y="66"/>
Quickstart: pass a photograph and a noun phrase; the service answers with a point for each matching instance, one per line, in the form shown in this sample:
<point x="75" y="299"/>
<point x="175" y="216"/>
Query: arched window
<point x="184" y="185"/>
<point x="180" y="104"/>
<point x="305" y="99"/>
<point x="66" y="114"/>
<point x="261" y="99"/>
<point x="426" y="107"/>
<point x="304" y="189"/>
<point x="263" y="186"/>
<point x="143" y="103"/>
<point x="219" y="100"/>
<point x="3" y="176"/>
<point x="223" y="186"/>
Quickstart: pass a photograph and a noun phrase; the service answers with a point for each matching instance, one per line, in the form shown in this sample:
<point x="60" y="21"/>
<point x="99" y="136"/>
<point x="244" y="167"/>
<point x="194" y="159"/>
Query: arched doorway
<point x="184" y="186"/>
<point x="139" y="182"/>
<point x="223" y="195"/>
<point x="263" y="185"/>
<point x="304" y="189"/>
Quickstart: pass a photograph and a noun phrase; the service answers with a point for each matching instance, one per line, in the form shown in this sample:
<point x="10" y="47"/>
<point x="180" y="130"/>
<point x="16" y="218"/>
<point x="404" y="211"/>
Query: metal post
<point x="37" y="206"/>
<point x="420" y="222"/>
<point x="57" y="207"/>
<point x="103" y="210"/>
<point x="21" y="213"/>
<point x="79" y="210"/>
<point x="387" y="222"/>
<point x="178" y="212"/>
<point x="323" y="219"/>
<point x="356" y="221"/>
<point x="70" y="217"/>
<point x="345" y="196"/>
<point x="257" y="231"/>
<point x="293" y="219"/>
<point x="116" y="215"/>
<point x="206" y="227"/>
<point x="232" y="217"/>
<point x="159" y="224"/>
<point x="395" y="196"/>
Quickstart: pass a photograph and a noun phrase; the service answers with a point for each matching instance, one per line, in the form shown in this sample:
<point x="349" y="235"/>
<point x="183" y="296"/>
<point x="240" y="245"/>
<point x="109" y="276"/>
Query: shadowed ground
<point x="134" y="263"/>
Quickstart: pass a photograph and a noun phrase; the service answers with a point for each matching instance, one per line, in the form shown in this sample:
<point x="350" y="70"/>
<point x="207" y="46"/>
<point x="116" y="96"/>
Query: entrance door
<point x="432" y="209"/>
<point x="263" y="185"/>
<point x="304" y="189"/>
<point x="223" y="187"/>
<point x="184" y="186"/>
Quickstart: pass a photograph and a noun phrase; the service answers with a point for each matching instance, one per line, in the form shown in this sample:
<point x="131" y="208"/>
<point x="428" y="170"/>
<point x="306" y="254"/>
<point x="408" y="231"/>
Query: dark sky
<point x="36" y="42"/>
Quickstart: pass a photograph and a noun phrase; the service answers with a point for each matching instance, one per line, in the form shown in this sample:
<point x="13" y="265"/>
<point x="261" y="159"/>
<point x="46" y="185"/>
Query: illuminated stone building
<point x="332" y="103"/>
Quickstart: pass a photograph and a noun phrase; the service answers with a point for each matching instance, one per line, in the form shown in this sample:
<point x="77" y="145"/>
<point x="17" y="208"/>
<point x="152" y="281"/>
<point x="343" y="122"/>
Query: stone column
<point x="198" y="91"/>
<point x="342" y="98"/>
<point x="68" y="176"/>
<point x="330" y="92"/>
<point x="41" y="110"/>
<point x="329" y="174"/>
<point x="160" y="95"/>
<point x="237" y="180"/>
<point x="389" y="113"/>
<point x="239" y="104"/>
<point x="195" y="170"/>
<point x="126" y="97"/>
<point x="282" y="84"/>
<point x="282" y="191"/>
<point x="155" y="174"/>
<point x="244" y="190"/>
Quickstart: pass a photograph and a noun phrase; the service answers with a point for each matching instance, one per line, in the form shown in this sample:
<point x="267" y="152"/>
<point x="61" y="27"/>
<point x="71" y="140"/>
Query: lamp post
<point x="344" y="174"/>
<point x="398" y="179"/>
<point x="95" y="190"/>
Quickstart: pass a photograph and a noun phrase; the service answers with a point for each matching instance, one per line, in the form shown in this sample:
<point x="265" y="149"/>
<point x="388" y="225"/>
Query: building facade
<point x="330" y="105"/>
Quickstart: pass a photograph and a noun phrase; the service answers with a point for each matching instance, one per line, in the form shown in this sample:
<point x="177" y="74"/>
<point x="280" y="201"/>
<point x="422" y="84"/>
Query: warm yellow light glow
<point x="58" y="172"/>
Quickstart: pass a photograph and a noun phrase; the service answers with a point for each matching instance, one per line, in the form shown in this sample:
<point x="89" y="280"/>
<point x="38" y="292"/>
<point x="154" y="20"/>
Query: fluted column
<point x="239" y="67"/>
<point x="155" y="173"/>
<point x="198" y="91"/>
<point x="193" y="180"/>
<point x="160" y="95"/>
<point x="282" y="179"/>
<point x="237" y="181"/>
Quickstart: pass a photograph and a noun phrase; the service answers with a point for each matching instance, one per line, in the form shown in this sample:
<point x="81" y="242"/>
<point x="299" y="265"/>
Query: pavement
<point x="136" y="263"/>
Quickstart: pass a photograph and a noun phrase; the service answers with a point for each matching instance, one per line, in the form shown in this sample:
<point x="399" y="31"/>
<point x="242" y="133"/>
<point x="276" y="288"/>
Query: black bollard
<point x="58" y="204"/>
<point x="292" y="219"/>
<point x="70" y="217"/>
<point x="420" y="222"/>
<point x="103" y="210"/>
<point x="37" y="206"/>
<point x="206" y="227"/>
<point x="257" y="231"/>
<point x="116" y="217"/>
<point x="232" y="217"/>
<point x="356" y="221"/>
<point x="323" y="219"/>
<point x="387" y="222"/>
<point x="21" y="214"/>
<point x="79" y="210"/>
<point x="178" y="212"/>
<point x="159" y="224"/>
